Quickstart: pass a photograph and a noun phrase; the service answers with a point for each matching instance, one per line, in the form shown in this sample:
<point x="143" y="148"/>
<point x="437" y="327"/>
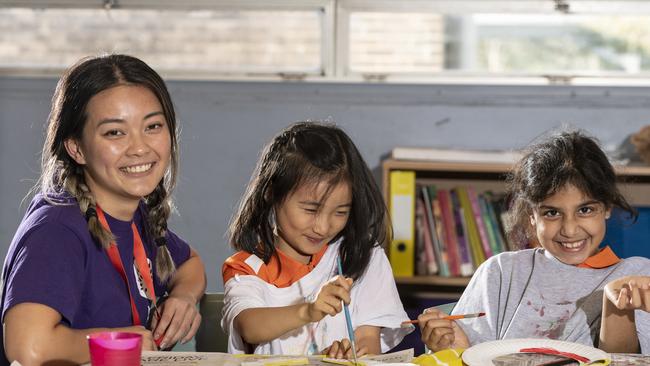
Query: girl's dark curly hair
<point x="569" y="157"/>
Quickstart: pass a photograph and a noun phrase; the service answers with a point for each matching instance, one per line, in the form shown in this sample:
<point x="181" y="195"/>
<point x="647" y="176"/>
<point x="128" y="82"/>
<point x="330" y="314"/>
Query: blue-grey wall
<point x="225" y="125"/>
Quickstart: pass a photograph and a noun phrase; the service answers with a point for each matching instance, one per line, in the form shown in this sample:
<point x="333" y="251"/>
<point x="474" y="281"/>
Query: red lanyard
<point x="140" y="258"/>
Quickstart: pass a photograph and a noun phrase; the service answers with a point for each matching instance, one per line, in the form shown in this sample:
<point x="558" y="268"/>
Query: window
<point x="563" y="41"/>
<point x="575" y="44"/>
<point x="506" y="39"/>
<point x="201" y="42"/>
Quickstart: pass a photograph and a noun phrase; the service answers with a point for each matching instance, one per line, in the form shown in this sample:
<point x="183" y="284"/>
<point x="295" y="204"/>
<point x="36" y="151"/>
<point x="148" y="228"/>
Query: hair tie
<point x="161" y="242"/>
<point x="90" y="213"/>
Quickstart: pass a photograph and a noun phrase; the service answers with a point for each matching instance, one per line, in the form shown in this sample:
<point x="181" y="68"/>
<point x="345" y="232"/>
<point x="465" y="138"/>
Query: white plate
<point x="482" y="354"/>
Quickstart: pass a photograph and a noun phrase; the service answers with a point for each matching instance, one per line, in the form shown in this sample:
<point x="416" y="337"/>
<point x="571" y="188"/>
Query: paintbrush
<point x="348" y="320"/>
<point x="449" y="317"/>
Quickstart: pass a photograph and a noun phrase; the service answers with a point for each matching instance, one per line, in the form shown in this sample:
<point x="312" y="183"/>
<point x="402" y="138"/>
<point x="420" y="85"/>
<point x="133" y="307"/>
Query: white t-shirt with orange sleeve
<point x="375" y="300"/>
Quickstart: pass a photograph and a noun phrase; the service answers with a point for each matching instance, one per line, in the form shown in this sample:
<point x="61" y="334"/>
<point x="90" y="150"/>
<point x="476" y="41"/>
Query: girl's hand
<point x="328" y="300"/>
<point x="147" y="338"/>
<point x="179" y="320"/>
<point x="343" y="349"/>
<point x="438" y="333"/>
<point x="629" y="293"/>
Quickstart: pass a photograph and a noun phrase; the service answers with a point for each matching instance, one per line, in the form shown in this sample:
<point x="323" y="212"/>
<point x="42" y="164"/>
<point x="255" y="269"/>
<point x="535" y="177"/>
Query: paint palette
<point x="484" y="353"/>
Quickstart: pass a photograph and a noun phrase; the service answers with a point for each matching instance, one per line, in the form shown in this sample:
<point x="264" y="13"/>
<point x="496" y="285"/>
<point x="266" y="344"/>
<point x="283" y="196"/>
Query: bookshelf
<point x="635" y="185"/>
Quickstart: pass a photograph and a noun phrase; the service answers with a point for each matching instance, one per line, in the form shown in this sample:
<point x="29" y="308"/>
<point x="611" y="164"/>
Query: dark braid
<point x="159" y="209"/>
<point x="74" y="183"/>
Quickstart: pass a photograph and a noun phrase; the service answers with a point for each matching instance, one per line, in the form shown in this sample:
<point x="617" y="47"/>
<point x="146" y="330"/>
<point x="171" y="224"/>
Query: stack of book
<point x="458" y="156"/>
<point x="456" y="230"/>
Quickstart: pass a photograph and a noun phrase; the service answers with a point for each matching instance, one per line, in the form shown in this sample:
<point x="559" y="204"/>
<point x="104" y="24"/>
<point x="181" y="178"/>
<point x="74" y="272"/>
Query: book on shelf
<point x="429" y="195"/>
<point x="440" y="233"/>
<point x="450" y="240"/>
<point x="402" y="213"/>
<point x="465" y="257"/>
<point x="496" y="208"/>
<point x="427" y="262"/>
<point x="456" y="155"/>
<point x="420" y="260"/>
<point x="492" y="230"/>
<point x="480" y="223"/>
<point x="471" y="227"/>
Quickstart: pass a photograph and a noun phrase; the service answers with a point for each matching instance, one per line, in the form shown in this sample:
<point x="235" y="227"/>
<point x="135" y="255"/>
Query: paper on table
<point x="396" y="358"/>
<point x="278" y="361"/>
<point x="150" y="358"/>
<point x="363" y="362"/>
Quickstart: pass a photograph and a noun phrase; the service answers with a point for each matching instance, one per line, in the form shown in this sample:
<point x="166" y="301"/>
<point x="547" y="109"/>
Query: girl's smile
<point x="307" y="219"/>
<point x="570" y="225"/>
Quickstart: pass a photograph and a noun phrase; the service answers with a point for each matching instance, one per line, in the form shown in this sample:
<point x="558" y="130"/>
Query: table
<point x="158" y="358"/>
<point x="150" y="358"/>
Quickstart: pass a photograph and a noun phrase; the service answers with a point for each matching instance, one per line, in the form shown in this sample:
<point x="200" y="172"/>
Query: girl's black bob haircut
<point x="309" y="153"/>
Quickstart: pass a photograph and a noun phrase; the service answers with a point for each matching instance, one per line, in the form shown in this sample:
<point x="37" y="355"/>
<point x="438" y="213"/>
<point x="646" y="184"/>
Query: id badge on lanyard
<point x="140" y="260"/>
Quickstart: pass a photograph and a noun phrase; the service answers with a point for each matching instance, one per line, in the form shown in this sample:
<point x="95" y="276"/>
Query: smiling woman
<point x="125" y="147"/>
<point x="83" y="257"/>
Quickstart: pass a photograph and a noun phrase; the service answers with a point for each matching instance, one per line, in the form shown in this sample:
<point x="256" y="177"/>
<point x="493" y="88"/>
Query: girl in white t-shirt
<point x="311" y="200"/>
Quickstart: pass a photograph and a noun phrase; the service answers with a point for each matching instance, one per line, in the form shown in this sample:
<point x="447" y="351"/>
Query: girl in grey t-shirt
<point x="560" y="195"/>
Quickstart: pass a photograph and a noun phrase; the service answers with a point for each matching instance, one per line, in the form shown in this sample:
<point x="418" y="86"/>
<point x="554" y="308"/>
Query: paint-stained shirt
<point x="531" y="294"/>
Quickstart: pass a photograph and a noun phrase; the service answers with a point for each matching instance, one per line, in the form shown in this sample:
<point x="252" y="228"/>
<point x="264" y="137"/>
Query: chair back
<point x="210" y="337"/>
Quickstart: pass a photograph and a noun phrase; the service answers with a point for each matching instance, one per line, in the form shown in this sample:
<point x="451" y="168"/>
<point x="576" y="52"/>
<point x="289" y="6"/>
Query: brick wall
<point x="167" y="39"/>
<point x="222" y="40"/>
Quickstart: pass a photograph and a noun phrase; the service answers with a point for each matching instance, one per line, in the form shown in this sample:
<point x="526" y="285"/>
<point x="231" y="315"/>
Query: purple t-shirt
<point x="53" y="260"/>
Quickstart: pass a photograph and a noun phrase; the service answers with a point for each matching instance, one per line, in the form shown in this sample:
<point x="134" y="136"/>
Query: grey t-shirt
<point x="531" y="294"/>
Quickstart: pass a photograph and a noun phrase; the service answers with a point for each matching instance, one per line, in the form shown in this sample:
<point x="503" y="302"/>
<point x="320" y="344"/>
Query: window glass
<point x="179" y="40"/>
<point x="497" y="44"/>
<point x="580" y="44"/>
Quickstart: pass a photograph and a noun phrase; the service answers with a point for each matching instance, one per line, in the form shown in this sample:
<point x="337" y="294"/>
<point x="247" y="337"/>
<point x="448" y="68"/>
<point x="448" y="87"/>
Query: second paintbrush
<point x="449" y="317"/>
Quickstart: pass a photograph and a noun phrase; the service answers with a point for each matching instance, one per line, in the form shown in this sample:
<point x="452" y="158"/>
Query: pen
<point x="158" y="340"/>
<point x="348" y="320"/>
<point x="450" y="317"/>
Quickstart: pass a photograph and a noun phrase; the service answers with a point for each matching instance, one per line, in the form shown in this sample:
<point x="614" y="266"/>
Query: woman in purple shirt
<point x="93" y="251"/>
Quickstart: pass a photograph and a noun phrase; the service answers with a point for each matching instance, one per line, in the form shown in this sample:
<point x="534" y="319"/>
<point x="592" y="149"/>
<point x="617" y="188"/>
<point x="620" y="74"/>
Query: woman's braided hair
<point x="60" y="172"/>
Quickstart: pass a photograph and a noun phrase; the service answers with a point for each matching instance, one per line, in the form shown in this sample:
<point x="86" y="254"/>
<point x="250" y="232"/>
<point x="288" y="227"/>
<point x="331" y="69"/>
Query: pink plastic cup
<point x="115" y="348"/>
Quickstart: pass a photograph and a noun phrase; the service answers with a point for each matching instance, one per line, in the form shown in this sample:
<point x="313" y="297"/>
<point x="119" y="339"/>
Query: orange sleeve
<point x="235" y="265"/>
